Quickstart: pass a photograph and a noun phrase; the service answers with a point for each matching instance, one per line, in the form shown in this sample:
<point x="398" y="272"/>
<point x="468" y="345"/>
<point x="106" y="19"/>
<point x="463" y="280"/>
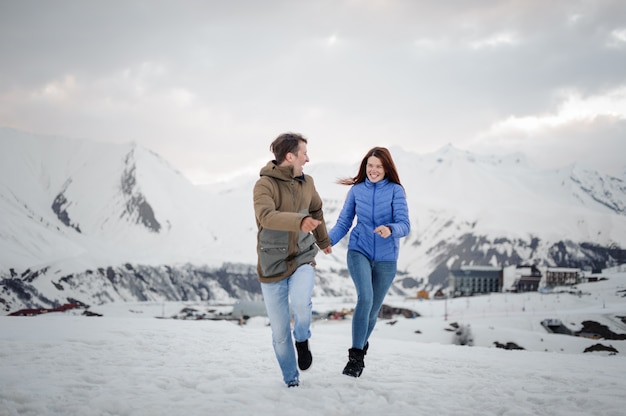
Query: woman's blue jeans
<point x="372" y="280"/>
<point x="282" y="298"/>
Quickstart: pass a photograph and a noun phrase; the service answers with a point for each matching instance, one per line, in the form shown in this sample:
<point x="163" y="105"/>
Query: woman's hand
<point x="383" y="231"/>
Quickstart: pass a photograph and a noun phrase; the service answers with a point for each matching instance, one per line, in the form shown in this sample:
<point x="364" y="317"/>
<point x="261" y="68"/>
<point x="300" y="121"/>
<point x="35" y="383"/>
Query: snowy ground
<point x="127" y="362"/>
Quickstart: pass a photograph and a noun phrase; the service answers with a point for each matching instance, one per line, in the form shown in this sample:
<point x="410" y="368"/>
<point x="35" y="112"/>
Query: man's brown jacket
<point x="281" y="202"/>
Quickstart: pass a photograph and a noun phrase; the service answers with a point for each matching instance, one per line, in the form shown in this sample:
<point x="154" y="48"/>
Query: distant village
<point x="475" y="280"/>
<point x="478" y="280"/>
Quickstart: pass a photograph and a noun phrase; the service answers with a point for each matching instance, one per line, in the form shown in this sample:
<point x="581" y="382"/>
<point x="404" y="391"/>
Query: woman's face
<point x="374" y="169"/>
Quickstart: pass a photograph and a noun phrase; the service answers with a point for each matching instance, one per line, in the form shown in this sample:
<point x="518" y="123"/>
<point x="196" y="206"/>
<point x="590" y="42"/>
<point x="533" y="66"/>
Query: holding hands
<point x="308" y="224"/>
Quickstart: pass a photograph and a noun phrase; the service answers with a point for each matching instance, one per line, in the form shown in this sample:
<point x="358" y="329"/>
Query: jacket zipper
<point x="374" y="222"/>
<point x="295" y="208"/>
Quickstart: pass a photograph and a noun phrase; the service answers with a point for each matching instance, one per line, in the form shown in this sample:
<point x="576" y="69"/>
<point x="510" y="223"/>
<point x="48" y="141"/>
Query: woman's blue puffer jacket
<point x="374" y="204"/>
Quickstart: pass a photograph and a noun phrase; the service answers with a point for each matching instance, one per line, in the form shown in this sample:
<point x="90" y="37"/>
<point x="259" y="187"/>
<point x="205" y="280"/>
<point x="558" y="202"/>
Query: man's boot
<point x="304" y="355"/>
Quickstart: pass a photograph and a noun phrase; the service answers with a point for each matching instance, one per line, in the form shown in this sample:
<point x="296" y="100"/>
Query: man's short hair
<point x="286" y="143"/>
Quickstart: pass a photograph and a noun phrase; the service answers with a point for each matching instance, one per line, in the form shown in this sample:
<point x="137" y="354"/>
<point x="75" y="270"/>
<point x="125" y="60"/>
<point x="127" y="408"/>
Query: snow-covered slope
<point x="126" y="362"/>
<point x="100" y="222"/>
<point x="69" y="199"/>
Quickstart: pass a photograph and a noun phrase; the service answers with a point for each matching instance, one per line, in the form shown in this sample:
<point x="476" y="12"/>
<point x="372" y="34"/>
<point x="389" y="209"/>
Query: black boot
<point x="304" y="355"/>
<point x="355" y="365"/>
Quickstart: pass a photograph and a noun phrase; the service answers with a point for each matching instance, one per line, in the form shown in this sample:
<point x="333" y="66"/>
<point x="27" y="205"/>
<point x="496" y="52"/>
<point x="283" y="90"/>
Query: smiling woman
<point x="377" y="200"/>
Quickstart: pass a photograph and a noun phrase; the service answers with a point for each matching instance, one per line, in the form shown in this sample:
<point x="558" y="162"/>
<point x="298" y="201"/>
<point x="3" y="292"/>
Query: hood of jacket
<point x="282" y="173"/>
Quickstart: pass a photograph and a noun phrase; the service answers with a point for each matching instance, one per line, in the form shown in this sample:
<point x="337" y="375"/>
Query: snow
<point x="128" y="362"/>
<point x="451" y="193"/>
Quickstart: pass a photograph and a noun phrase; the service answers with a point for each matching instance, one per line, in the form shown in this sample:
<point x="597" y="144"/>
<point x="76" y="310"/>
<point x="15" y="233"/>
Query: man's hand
<point x="308" y="224"/>
<point x="328" y="250"/>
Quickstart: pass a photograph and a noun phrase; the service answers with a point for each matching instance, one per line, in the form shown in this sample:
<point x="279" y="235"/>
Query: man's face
<point x="298" y="160"/>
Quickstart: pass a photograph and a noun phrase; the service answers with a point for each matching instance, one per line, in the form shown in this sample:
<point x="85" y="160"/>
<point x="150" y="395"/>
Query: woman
<point x="378" y="201"/>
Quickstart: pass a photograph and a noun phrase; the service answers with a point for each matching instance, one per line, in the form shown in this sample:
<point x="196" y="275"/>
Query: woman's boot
<point x="355" y="365"/>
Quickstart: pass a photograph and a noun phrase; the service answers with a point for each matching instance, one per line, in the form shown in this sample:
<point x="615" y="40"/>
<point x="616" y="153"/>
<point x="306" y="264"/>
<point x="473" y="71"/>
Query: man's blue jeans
<point x="294" y="291"/>
<point x="372" y="280"/>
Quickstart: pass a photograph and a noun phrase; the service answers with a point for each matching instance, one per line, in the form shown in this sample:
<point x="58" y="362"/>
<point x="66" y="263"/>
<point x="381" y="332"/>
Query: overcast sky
<point x="209" y="84"/>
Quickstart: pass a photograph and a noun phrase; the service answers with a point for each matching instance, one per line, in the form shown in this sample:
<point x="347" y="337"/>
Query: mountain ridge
<point x="73" y="207"/>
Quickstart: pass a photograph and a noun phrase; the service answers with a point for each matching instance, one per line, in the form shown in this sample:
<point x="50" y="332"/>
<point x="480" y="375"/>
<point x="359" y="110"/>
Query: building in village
<point x="471" y="280"/>
<point x="527" y="279"/>
<point x="562" y="276"/>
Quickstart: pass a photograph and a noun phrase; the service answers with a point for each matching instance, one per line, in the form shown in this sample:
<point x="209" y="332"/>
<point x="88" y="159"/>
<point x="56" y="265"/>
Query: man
<point x="290" y="223"/>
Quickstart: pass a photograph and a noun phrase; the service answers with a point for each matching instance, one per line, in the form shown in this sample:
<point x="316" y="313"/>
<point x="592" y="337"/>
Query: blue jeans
<point x="295" y="292"/>
<point x="372" y="280"/>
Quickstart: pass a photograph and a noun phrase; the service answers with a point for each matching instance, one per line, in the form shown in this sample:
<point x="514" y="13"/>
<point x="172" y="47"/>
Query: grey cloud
<point x="256" y="68"/>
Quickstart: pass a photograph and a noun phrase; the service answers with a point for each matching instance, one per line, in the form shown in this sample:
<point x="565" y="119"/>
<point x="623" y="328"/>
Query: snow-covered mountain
<point x="100" y="222"/>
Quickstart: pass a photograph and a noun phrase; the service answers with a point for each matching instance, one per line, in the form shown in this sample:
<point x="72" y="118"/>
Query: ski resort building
<point x="527" y="279"/>
<point x="470" y="280"/>
<point x="562" y="276"/>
